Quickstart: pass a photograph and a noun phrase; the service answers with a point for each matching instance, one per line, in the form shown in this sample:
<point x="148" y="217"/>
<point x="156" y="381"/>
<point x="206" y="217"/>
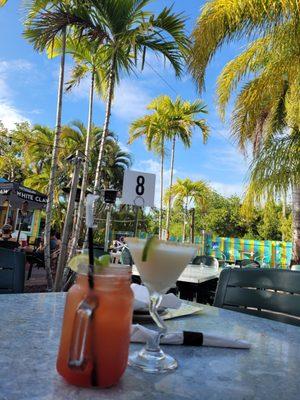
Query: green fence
<point x="271" y="252"/>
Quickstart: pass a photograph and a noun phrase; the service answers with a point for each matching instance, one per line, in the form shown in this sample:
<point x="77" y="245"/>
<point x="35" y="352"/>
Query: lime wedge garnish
<point x="80" y="263"/>
<point x="149" y="245"/>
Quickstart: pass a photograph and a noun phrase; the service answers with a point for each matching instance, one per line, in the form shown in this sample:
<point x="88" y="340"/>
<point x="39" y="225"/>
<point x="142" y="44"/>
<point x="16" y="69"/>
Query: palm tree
<point x="152" y="127"/>
<point x="125" y="32"/>
<point x="89" y="60"/>
<point x="170" y="120"/>
<point x="180" y="117"/>
<point x="268" y="103"/>
<point x="36" y="9"/>
<point x="276" y="170"/>
<point x="115" y="161"/>
<point x="221" y="22"/>
<point x="188" y="193"/>
<point x="39" y="147"/>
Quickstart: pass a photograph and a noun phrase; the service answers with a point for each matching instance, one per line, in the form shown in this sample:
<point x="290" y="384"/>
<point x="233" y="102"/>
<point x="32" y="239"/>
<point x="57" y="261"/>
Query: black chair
<point x="9" y="244"/>
<point x="12" y="271"/>
<point x="248" y="263"/>
<point x="266" y="293"/>
<point x="126" y="257"/>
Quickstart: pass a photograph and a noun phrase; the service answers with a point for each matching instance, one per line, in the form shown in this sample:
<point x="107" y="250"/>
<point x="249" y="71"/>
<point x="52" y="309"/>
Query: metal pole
<point x="203" y="242"/>
<point x="107" y="227"/>
<point x="67" y="225"/>
<point x="193" y="225"/>
<point x="136" y="220"/>
<point x="7" y="212"/>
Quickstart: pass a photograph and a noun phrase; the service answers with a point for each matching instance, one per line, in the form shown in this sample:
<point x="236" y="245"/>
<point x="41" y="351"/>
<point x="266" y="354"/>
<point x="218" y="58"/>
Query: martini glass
<point x="165" y="263"/>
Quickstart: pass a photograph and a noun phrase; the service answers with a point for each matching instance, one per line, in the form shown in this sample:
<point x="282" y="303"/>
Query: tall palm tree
<point x="35" y="10"/>
<point x="170" y="120"/>
<point x="187" y="193"/>
<point x="88" y="60"/>
<point x="180" y="118"/>
<point x="152" y="128"/>
<point x="268" y="103"/>
<point x="125" y="31"/>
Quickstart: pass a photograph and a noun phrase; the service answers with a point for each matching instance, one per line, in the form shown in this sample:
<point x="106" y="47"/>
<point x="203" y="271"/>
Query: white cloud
<point x="131" y="99"/>
<point x="124" y="147"/>
<point x="9" y="113"/>
<point x="228" y="189"/>
<point x="227" y="159"/>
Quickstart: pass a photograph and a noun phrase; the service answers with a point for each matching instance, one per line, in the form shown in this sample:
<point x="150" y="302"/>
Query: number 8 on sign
<point x="140" y="188"/>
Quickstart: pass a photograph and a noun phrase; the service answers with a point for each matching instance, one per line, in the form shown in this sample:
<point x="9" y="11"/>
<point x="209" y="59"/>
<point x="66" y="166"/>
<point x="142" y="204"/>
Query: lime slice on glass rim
<point x="80" y="263"/>
<point x="149" y="246"/>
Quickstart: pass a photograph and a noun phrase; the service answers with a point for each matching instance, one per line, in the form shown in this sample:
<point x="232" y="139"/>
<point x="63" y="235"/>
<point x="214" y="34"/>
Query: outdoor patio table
<point x="29" y="335"/>
<point x="193" y="274"/>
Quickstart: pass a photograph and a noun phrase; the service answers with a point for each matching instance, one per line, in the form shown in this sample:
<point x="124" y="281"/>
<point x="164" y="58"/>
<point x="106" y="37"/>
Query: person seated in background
<point x="55" y="244"/>
<point x="6" y="239"/>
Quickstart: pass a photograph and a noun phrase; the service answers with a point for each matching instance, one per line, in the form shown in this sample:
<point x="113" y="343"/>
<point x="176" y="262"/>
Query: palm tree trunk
<point x="184" y="221"/>
<point x="296" y="224"/>
<point x="162" y="159"/>
<point x="53" y="171"/>
<point x="78" y="226"/>
<point x="67" y="226"/>
<point x="111" y="86"/>
<point x="171" y="184"/>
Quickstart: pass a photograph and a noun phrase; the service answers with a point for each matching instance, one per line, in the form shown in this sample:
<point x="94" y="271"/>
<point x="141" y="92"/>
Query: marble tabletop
<point x="193" y="273"/>
<point x="29" y="335"/>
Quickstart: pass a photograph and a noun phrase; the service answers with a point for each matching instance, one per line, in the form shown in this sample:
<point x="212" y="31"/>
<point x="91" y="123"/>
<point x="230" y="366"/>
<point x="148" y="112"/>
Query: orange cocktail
<point x="95" y="335"/>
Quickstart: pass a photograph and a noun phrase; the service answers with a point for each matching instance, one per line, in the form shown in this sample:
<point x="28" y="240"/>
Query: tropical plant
<point x="180" y="117"/>
<point x="267" y="105"/>
<point x="125" y="31"/>
<point x="151" y="126"/>
<point x="88" y="61"/>
<point x="115" y="161"/>
<point x="276" y="169"/>
<point x="36" y="9"/>
<point x="2" y="3"/>
<point x="188" y="194"/>
<point x="171" y="120"/>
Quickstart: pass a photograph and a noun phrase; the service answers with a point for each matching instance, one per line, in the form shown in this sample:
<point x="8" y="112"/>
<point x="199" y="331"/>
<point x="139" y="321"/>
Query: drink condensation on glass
<point x="96" y="326"/>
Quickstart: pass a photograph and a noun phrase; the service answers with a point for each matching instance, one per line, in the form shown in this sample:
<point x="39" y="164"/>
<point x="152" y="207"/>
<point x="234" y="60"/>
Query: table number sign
<point x="138" y="189"/>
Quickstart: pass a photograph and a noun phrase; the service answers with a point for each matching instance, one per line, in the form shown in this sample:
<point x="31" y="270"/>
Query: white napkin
<point x="140" y="334"/>
<point x="141" y="298"/>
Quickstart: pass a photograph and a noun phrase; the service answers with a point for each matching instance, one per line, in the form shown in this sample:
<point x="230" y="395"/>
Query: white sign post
<point x="138" y="191"/>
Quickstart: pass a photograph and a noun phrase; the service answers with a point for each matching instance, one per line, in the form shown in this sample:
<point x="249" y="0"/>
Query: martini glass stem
<point x="153" y="342"/>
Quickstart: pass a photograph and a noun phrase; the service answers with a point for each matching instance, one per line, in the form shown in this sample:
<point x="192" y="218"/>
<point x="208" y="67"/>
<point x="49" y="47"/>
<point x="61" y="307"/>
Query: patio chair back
<point x="248" y="263"/>
<point x="267" y="293"/>
<point x="12" y="271"/>
<point x="126" y="257"/>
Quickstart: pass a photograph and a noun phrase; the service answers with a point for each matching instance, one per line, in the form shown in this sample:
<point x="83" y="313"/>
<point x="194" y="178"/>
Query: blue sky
<point x="28" y="89"/>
